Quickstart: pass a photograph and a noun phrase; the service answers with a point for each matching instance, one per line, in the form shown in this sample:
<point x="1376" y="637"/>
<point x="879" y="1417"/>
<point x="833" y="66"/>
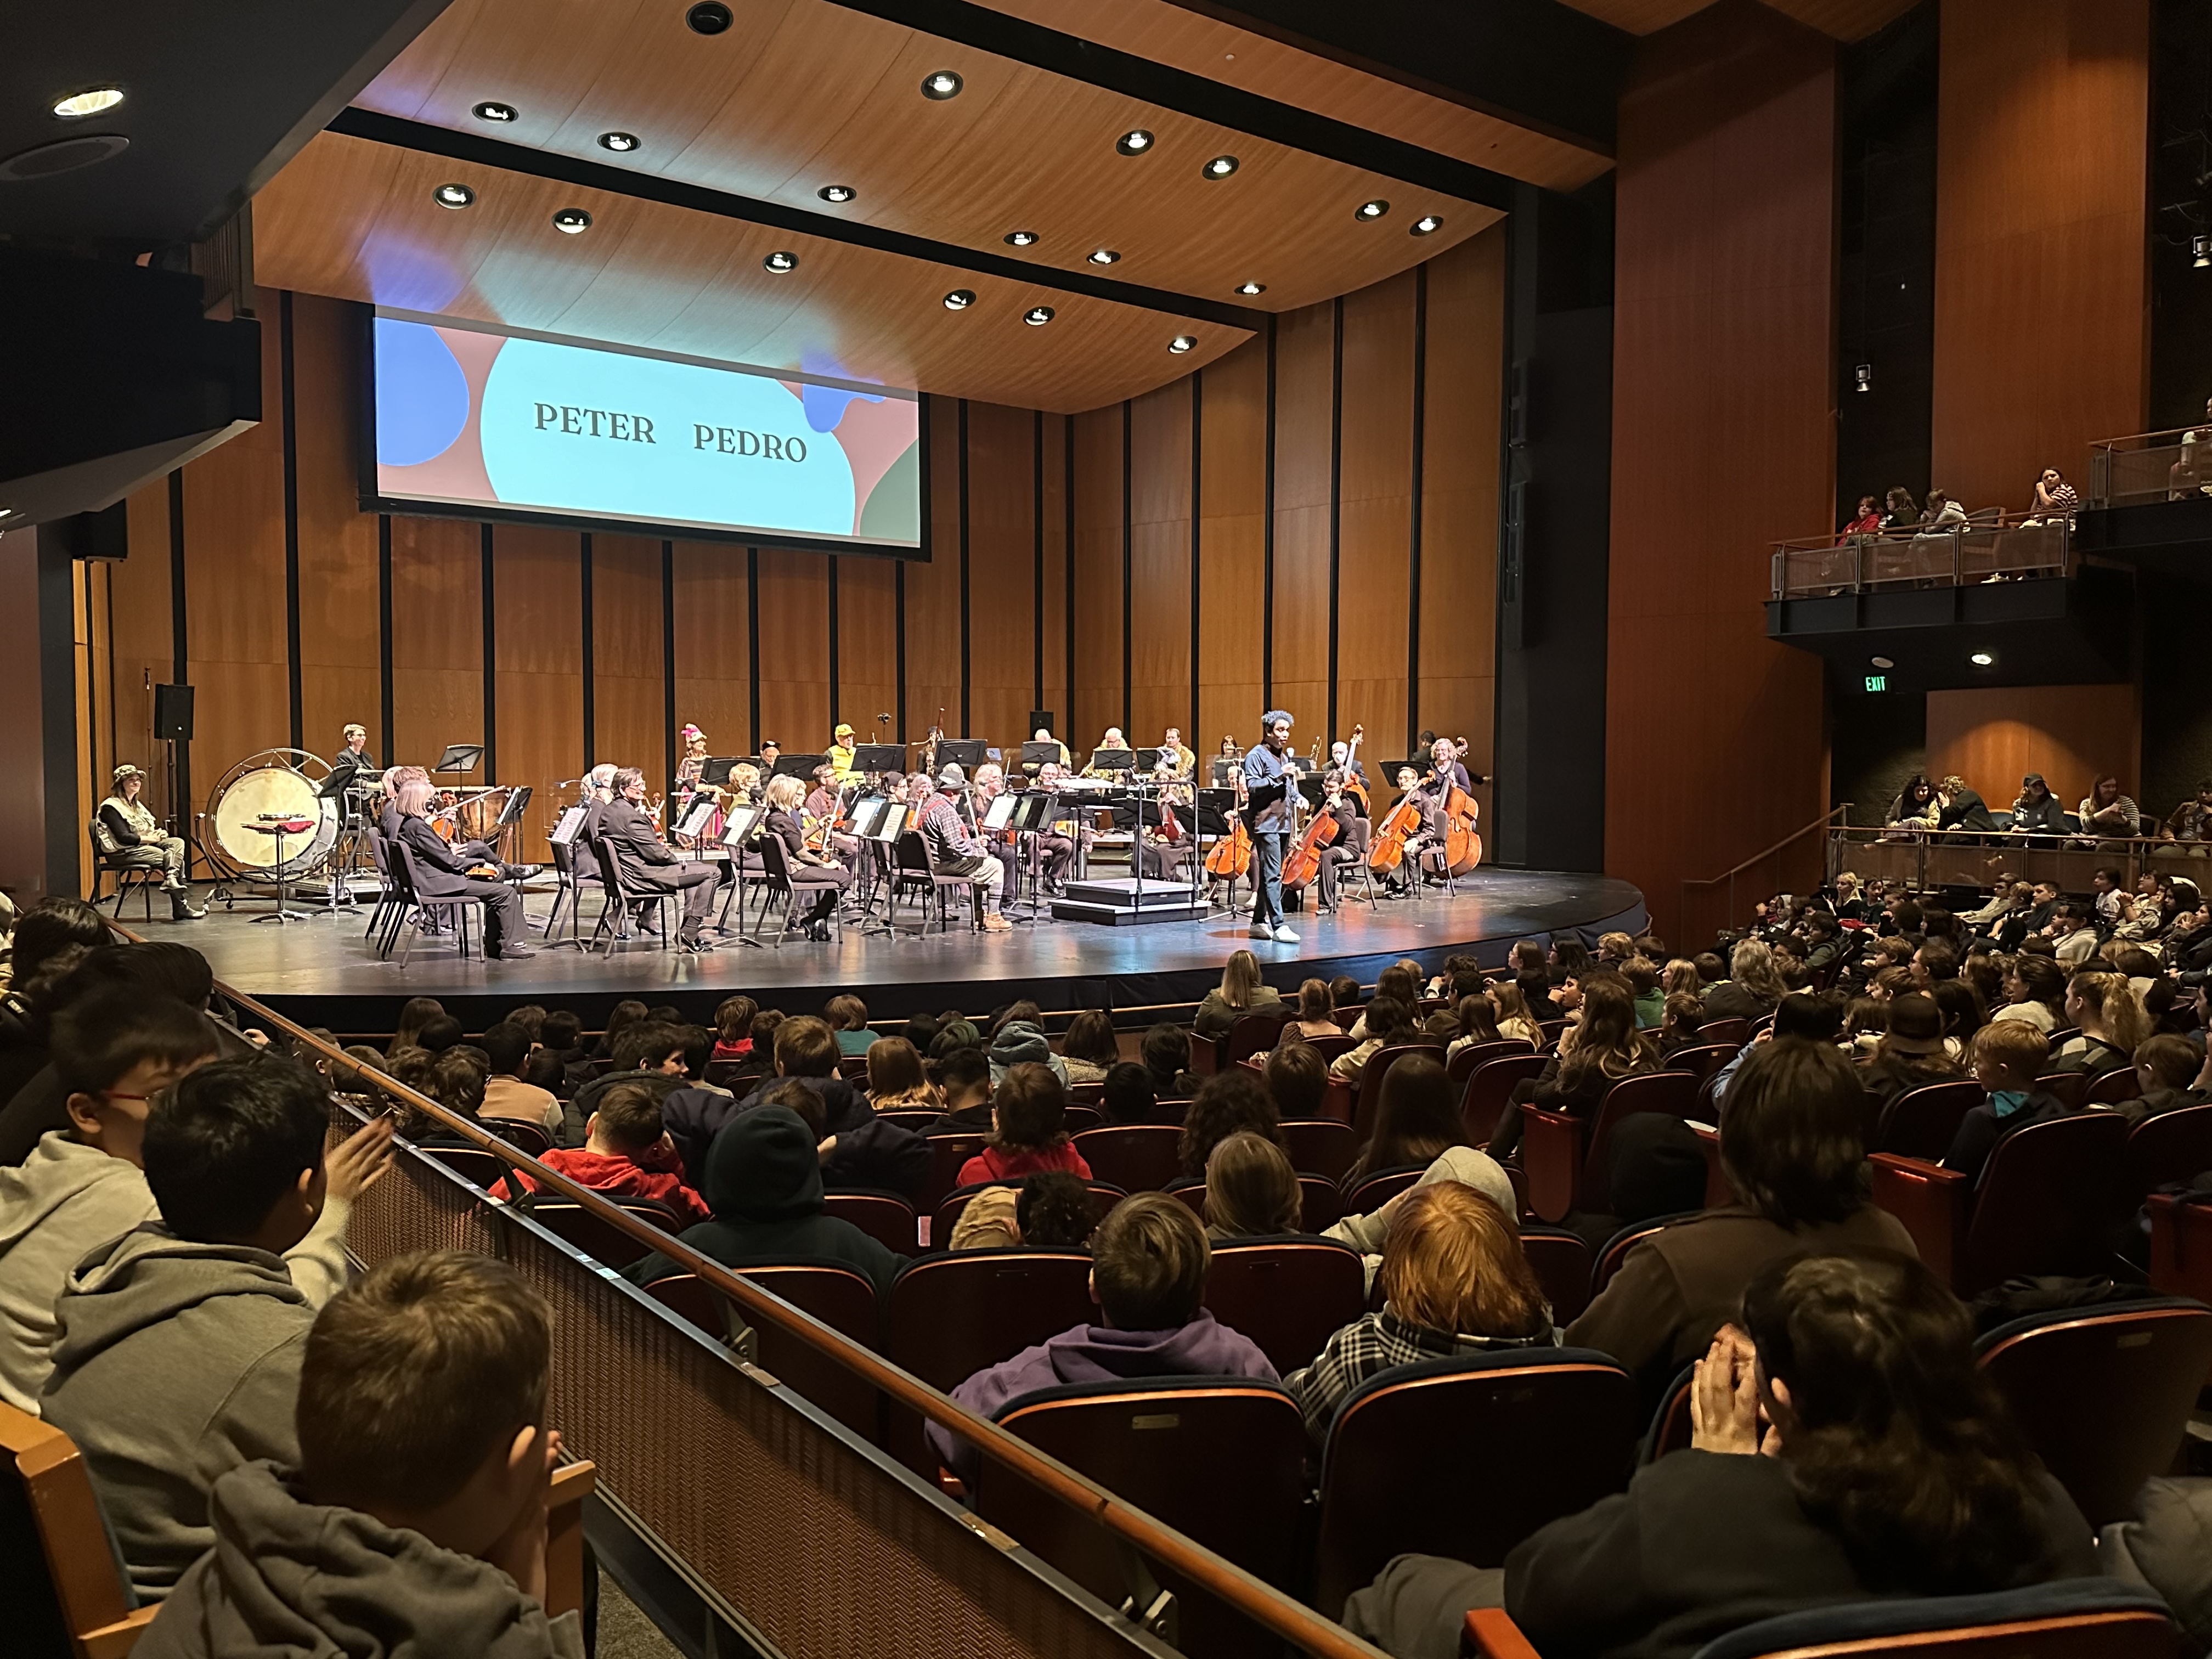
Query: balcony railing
<point x="1990" y="546"/>
<point x="2151" y="466"/>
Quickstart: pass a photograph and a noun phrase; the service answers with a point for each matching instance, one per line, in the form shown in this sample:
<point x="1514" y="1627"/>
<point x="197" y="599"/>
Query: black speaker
<point x="173" y="713"/>
<point x="102" y="535"/>
<point x="1040" y="719"/>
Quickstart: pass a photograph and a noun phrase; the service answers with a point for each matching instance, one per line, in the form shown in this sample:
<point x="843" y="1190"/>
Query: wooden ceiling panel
<point x="1167" y="33"/>
<point x="800" y="94"/>
<point x="356" y="220"/>
<point x="1843" y="20"/>
<point x="1640" y="17"/>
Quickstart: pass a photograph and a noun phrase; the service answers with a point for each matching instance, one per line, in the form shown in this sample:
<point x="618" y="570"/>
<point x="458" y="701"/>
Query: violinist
<point x="1055" y="847"/>
<point x="821" y="813"/>
<point x="784" y="807"/>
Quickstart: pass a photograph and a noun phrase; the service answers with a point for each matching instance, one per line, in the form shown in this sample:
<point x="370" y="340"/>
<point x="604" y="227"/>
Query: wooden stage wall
<point x="1129" y="565"/>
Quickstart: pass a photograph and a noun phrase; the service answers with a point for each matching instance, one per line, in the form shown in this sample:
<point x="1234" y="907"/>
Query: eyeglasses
<point x="111" y="1094"/>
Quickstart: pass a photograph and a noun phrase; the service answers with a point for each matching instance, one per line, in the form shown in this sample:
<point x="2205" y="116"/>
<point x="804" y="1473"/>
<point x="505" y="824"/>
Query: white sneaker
<point x="1261" y="930"/>
<point x="1285" y="936"/>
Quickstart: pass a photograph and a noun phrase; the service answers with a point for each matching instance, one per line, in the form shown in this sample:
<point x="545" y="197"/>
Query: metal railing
<point x="1783" y="866"/>
<point x="1924" y="859"/>
<point x="2151" y="466"/>
<point x="1992" y="546"/>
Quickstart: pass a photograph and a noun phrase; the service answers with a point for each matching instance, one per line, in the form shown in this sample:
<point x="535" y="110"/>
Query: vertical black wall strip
<point x="1335" y="489"/>
<point x="591" y="656"/>
<point x="294" y="688"/>
<point x="898" y="613"/>
<point x="490" y="664"/>
<point x="834" y="715"/>
<point x="1197" y="509"/>
<point x="963" y="567"/>
<point x="80" y="578"/>
<point x="1268" y="551"/>
<point x="1067" y="556"/>
<point x="1414" y="526"/>
<point x="180" y="642"/>
<point x="386" y="705"/>
<point x="1036" y="574"/>
<point x="107" y="591"/>
<point x="752" y="635"/>
<point x="668" y="656"/>
<point x="1128" y="422"/>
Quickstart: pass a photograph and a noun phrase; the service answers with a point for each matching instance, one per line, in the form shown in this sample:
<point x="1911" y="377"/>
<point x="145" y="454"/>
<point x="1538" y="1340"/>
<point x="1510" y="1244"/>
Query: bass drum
<point x="270" y="784"/>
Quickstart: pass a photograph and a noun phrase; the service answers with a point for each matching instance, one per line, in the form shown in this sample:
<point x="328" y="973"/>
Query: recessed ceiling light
<point x="836" y="193"/>
<point x="496" y="112"/>
<point x="780" y="262"/>
<point x="1247" y="289"/>
<point x="1981" y="659"/>
<point x="942" y="85"/>
<point x="1374" y="209"/>
<point x="708" y="17"/>
<point x="1182" y="343"/>
<point x="7" y="512"/>
<point x="1037" y="316"/>
<point x="1427" y="224"/>
<point x="620" y="143"/>
<point x="453" y="196"/>
<point x="1219" y="168"/>
<point x="1133" y="142"/>
<point x="1882" y="662"/>
<point x="1104" y="256"/>
<point x="960" y="299"/>
<point x="573" y="221"/>
<point x="1020" y="238"/>
<point x="90" y="101"/>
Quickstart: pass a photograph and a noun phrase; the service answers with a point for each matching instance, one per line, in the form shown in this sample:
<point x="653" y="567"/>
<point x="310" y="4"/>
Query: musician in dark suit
<point x="442" y="871"/>
<point x="825" y="877"/>
<point x="349" y="761"/>
<point x="649" y="865"/>
<point x="598" y="790"/>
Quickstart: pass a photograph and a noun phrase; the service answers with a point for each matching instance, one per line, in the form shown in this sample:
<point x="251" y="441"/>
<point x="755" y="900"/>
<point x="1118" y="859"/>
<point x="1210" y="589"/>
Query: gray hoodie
<point x="173" y="1363"/>
<point x="287" y="1578"/>
<point x="63" y="1201"/>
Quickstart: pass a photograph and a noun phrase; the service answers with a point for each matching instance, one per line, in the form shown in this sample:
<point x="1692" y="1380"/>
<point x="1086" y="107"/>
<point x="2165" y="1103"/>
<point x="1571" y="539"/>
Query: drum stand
<point x="281" y="913"/>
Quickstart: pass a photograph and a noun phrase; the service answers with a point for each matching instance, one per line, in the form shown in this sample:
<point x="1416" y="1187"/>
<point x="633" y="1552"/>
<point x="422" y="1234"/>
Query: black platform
<point x="323" y="973"/>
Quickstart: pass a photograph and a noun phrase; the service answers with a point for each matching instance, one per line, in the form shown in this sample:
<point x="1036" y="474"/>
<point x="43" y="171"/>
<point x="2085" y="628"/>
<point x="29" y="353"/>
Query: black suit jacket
<point x="582" y="860"/>
<point x="440" y="871"/>
<point x="1967" y="811"/>
<point x="642" y="858"/>
<point x="342" y="769"/>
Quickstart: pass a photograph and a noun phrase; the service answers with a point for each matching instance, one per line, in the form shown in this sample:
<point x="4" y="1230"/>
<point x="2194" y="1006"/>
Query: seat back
<point x="1330" y="1047"/>
<point x="1320" y="1145"/>
<point x="1371" y="1192"/>
<point x="1221" y="1460"/>
<point x="884" y="1216"/>
<point x="1561" y="1261"/>
<point x="1734" y="1031"/>
<point x="2105" y="1391"/>
<point x="946" y="1154"/>
<point x="1321" y="1203"/>
<point x="1488" y="1089"/>
<point x="1366" y="1101"/>
<point x="1463" y="1064"/>
<point x="2046" y="1203"/>
<point x="841" y="1297"/>
<point x="1250" y="1034"/>
<point x="2063" y="1619"/>
<point x="950" y="1317"/>
<point x="471" y="1163"/>
<point x="65" y="1589"/>
<point x="2173" y="1146"/>
<point x="1607" y="1263"/>
<point x="1921" y="1123"/>
<point x="1551" y="1431"/>
<point x="1672" y="1092"/>
<point x="1702" y="1059"/>
<point x="587" y="1229"/>
<point x="1670" y="1423"/>
<point x="2071" y="1087"/>
<point x="2118" y="1084"/>
<point x="1138" y="1157"/>
<point x="775" y="863"/>
<point x="1288" y="1295"/>
<point x="1103" y="1198"/>
<point x="523" y="1137"/>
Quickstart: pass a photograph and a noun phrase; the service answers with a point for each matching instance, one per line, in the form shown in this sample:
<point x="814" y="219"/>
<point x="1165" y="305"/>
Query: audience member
<point x="1523" y="1004"/>
<point x="628" y="1153"/>
<point x="1129" y="1095"/>
<point x="415" y="1014"/>
<point x="2007" y="1057"/>
<point x="1683" y="1017"/>
<point x="1019" y="1040"/>
<point x="1474" y="1020"/>
<point x="1296" y="1080"/>
<point x="1148" y="1273"/>
<point x="1401" y="982"/>
<point x="847" y="1016"/>
<point x="1752" y="988"/>
<point x="507" y="1092"/>
<point x="1316" y="1017"/>
<point x="990" y="1220"/>
<point x="1227" y="1103"/>
<point x="1911" y="1053"/>
<point x="1241" y="991"/>
<point x="2110" y="1025"/>
<point x="1090" y="1048"/>
<point x="1166" y="1054"/>
<point x="1251" y="1190"/>
<point x="896" y="1079"/>
<point x="1054" y="1210"/>
<point x="2106" y="814"/>
<point x="1344" y="992"/>
<point x="1961" y="1006"/>
<point x="734" y="1028"/>
<point x="1602" y="1047"/>
<point x="964" y="1078"/>
<point x="2169" y="1072"/>
<point x="646" y="1050"/>
<point x="1028" y="1109"/>
<point x="1465" y="1164"/>
<point x="1416" y="1117"/>
<point x="1387" y="1022"/>
<point x="2035" y="990"/>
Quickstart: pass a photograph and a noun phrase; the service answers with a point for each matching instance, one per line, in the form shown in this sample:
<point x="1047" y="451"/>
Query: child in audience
<point x="1474" y="1020"/>
<point x="1911" y="1053"/>
<point x="1148" y="1273"/>
<point x="848" y="1017"/>
<point x="1517" y="1015"/>
<point x="414" y="1014"/>
<point x="1090" y="1049"/>
<point x="1129" y="1096"/>
<point x="1251" y="1190"/>
<point x="1386" y="1021"/>
<point x="1166" y="1053"/>
<point x="733" y="1028"/>
<point x="1054" y="1213"/>
<point x="2008" y="1056"/>
<point x="1316" y="1015"/>
<point x="1030" y="1129"/>
<point x="989" y="1221"/>
<point x="2169" y="1071"/>
<point x="1228" y="1103"/>
<point x="2112" y="1022"/>
<point x="964" y="1079"/>
<point x="1297" y="1080"/>
<point x="1684" y="1015"/>
<point x="417" y="1507"/>
<point x="896" y="1081"/>
<point x="646" y="1050"/>
<point x="1416" y="1117"/>
<point x="177" y="1345"/>
<point x="1455" y="1281"/>
<point x="627" y="1152"/>
<point x="81" y="1187"/>
<point x="507" y="1092"/>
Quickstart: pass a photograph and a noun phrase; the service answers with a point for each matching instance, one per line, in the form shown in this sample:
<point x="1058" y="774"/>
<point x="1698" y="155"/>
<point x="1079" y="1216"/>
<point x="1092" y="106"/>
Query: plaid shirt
<point x="1373" y="1343"/>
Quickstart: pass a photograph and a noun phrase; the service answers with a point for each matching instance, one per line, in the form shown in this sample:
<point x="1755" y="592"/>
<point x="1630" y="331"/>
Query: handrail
<point x="1982" y="517"/>
<point x="1291" y="1621"/>
<point x="1820" y="822"/>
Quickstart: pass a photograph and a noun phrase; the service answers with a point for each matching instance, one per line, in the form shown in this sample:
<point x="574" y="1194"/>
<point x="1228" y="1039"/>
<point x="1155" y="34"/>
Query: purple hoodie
<point x="1099" y="1353"/>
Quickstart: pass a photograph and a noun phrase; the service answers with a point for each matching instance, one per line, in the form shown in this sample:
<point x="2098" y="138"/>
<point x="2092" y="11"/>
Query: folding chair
<point x="570" y="895"/>
<point x="787" y="883"/>
<point x="1135" y="1157"/>
<point x="841" y="1297"/>
<point x="127" y="876"/>
<point x="384" y="914"/>
<point x="456" y="906"/>
<point x="1288" y="1296"/>
<point x="619" y="915"/>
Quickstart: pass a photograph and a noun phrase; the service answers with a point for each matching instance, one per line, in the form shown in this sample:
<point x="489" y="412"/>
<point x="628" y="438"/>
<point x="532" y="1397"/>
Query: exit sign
<point x="1877" y="682"/>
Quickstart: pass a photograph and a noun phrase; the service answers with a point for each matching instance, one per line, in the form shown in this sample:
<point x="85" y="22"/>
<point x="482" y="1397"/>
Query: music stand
<point x="966" y="753"/>
<point x="799" y="766"/>
<point x="1035" y="754"/>
<point x="717" y="768"/>
<point x="867" y="812"/>
<point x="694" y="822"/>
<point x="1227" y="770"/>
<point x="997" y="815"/>
<point x="564" y="834"/>
<point x="460" y="757"/>
<point x="1148" y="760"/>
<point x="875" y="757"/>
<point x="1112" y="760"/>
<point x="883" y="834"/>
<point x="742" y="825"/>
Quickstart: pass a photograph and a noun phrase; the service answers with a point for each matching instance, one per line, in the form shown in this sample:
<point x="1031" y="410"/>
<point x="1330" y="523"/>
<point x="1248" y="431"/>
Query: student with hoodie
<point x="2008" y="1056"/>
<point x="626" y="1152"/>
<point x="177" y="1352"/>
<point x="1468" y="1165"/>
<point x="763" y="1183"/>
<point x="1148" y="1262"/>
<point x="82" y="1187"/>
<point x="870" y="1155"/>
<point x="964" y="1079"/>
<point x="1028" y="1135"/>
<point x="413" y="1518"/>
<point x="646" y="1051"/>
<point x="1019" y="1040"/>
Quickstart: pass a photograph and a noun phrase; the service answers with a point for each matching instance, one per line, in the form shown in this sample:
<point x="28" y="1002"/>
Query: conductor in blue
<point x="1268" y="818"/>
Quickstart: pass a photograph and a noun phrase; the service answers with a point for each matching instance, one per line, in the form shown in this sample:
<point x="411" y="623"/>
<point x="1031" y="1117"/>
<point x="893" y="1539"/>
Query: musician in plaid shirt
<point x="1455" y="1281"/>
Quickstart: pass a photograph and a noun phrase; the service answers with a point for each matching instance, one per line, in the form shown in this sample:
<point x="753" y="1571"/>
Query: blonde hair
<point x="1616" y="947"/>
<point x="2126" y="1025"/>
<point x="412" y="795"/>
<point x="1452" y="1262"/>
<point x="1251" y="1190"/>
<point x="745" y="774"/>
<point x="1752" y="966"/>
<point x="1681" y="978"/>
<point x="784" y="793"/>
<point x="1505" y="996"/>
<point x="1240" y="978"/>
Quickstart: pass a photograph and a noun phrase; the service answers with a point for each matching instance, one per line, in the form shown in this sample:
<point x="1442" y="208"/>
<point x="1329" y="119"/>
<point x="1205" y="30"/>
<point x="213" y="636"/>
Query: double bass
<point x="1462" y="846"/>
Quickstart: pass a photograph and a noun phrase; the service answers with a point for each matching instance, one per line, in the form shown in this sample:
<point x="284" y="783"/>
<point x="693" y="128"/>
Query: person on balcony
<point x="2055" y="500"/>
<point x="1867" y="521"/>
<point x="1960" y="808"/>
<point x="1940" y="514"/>
<point x="2036" y="811"/>
<point x="1902" y="513"/>
<point x="2191" y="825"/>
<point x="2106" y="813"/>
<point x="1915" y="809"/>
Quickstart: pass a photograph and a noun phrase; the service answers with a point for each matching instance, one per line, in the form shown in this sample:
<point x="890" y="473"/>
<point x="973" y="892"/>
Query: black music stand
<point x="879" y="842"/>
<point x="460" y="757"/>
<point x="874" y="758"/>
<point x="716" y="770"/>
<point x="1112" y="760"/>
<point x="966" y="753"/>
<point x="1035" y="755"/>
<point x="563" y="835"/>
<point x="797" y="766"/>
<point x="742" y="825"/>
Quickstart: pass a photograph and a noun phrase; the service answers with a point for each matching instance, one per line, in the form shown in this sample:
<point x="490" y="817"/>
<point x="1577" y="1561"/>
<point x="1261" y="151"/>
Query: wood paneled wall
<point x="2070" y="734"/>
<point x="1126" y="567"/>
<point x="1722" y="393"/>
<point x="2042" y="306"/>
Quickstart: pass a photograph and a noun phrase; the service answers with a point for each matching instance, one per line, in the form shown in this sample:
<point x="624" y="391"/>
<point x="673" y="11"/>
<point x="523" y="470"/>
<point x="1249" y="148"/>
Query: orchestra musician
<point x="1055" y="846"/>
<point x="477" y="852"/>
<point x="746" y="783"/>
<point x="821" y="812"/>
<point x="1337" y="753"/>
<point x="1445" y="769"/>
<point x="841" y="753"/>
<point x="350" y="762"/>
<point x="1270" y="818"/>
<point x="647" y="864"/>
<point x="1349" y="845"/>
<point x="1427" y="837"/>
<point x="784" y="823"/>
<point x="599" y="788"/>
<point x="444" y="870"/>
<point x="1171" y="743"/>
<point x="1043" y="734"/>
<point x="1112" y="743"/>
<point x="137" y="842"/>
<point x="771" y="751"/>
<point x="953" y="848"/>
<point x="688" y="787"/>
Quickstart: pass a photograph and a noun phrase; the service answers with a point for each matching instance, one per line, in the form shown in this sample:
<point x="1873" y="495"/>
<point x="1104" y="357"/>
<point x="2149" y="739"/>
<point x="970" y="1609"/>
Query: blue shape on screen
<point x="422" y="395"/>
<point x="825" y="405"/>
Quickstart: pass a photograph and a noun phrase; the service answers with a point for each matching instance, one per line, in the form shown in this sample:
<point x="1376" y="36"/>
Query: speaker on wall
<point x="173" y="713"/>
<point x="1040" y="719"/>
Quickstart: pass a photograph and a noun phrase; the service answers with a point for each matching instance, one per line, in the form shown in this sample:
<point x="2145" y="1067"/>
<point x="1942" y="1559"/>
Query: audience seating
<point x="1288" y="1295"/>
<point x="2104" y="1392"/>
<point x="588" y="1231"/>
<point x="1606" y="1262"/>
<point x="1923" y="1122"/>
<point x="1103" y="1197"/>
<point x="2114" y="1087"/>
<point x="948" y="1316"/>
<point x="1080" y="1118"/>
<point x="1550" y="1031"/>
<point x="1464" y="1064"/>
<point x="1561" y="1260"/>
<point x="1370" y="1081"/>
<point x="914" y="1118"/>
<point x="2066" y="1618"/>
<point x="1734" y="1032"/>
<point x="947" y="1153"/>
<point x="2180" y="1247"/>
<point x="1547" y="1431"/>
<point x="1252" y="1034"/>
<point x="1138" y="1157"/>
<point x="472" y="1164"/>
<point x="2045" y="1203"/>
<point x="1220" y="1459"/>
<point x="529" y="1138"/>
<point x="1670" y="1423"/>
<point x="1488" y="1090"/>
<point x="1320" y="1145"/>
<point x="1331" y="1047"/>
<point x="2172" y="1147"/>
<point x="1703" y="1060"/>
<point x="884" y="1216"/>
<point x="1566" y="1156"/>
<point x="1371" y="1192"/>
<point x="64" y="1588"/>
<point x="1321" y="1203"/>
<point x="841" y="1298"/>
<point x="2072" y="1088"/>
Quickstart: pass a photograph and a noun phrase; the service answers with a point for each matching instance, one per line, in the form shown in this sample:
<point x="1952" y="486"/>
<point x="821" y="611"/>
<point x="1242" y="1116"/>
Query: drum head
<point x="281" y="791"/>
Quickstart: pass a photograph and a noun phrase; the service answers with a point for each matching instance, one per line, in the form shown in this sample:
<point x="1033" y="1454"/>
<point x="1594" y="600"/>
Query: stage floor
<point x="322" y="972"/>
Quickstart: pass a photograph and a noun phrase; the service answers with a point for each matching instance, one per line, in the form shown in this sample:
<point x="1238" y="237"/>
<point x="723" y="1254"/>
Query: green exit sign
<point x="1877" y="682"/>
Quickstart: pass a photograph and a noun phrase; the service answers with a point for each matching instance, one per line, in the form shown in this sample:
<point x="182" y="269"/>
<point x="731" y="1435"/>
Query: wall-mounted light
<point x="1881" y="662"/>
<point x="1863" y="377"/>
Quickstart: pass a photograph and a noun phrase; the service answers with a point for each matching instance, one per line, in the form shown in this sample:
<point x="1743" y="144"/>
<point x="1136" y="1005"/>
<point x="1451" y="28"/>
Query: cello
<point x="1353" y="787"/>
<point x="1231" y="856"/>
<point x="1304" y="861"/>
<point x="1400" y="825"/>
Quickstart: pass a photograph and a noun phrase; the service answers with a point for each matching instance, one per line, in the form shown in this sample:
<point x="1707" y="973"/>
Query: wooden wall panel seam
<point x="753" y="639"/>
<point x="1128" y="464"/>
<point x="1418" y="483"/>
<point x="490" y="592"/>
<point x="386" y="711"/>
<point x="965" y="697"/>
<point x="833" y="663"/>
<point x="899" y="600"/>
<point x="295" y="690"/>
<point x="668" y="656"/>
<point x="1335" y="498"/>
<point x="1036" y="580"/>
<point x="1197" y="541"/>
<point x="587" y="643"/>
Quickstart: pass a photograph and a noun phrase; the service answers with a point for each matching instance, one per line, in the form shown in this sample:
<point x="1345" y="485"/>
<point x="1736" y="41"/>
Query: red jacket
<point x="1002" y="1165"/>
<point x="624" y="1177"/>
